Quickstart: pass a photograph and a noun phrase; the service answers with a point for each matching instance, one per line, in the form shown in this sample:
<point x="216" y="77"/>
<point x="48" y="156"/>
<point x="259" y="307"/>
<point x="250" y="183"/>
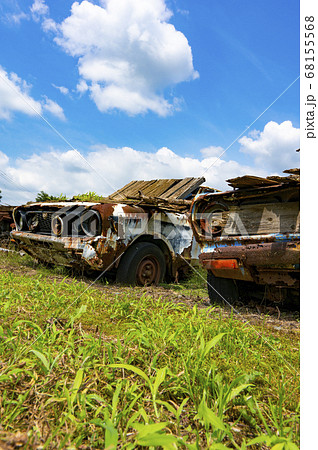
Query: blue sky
<point x="144" y="89"/>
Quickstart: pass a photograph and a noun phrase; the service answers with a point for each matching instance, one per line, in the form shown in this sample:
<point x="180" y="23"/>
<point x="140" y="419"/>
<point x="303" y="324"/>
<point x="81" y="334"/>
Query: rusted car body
<point x="6" y="220"/>
<point x="250" y="238"/>
<point x="141" y="232"/>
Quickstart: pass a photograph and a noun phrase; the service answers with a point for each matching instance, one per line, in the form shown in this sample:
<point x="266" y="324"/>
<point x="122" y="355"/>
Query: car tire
<point x="143" y="264"/>
<point x="221" y="290"/>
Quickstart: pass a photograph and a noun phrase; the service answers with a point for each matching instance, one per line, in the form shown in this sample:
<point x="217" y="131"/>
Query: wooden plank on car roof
<point x="119" y="192"/>
<point x="192" y="185"/>
<point x="183" y="188"/>
<point x="6" y="208"/>
<point x="139" y="186"/>
<point x="161" y="188"/>
<point x="158" y="188"/>
<point x="173" y="190"/>
<point x="249" y="181"/>
<point x="295" y="171"/>
<point x="147" y="186"/>
<point x="292" y="179"/>
<point x="132" y="189"/>
<point x="277" y="178"/>
<point x="150" y="187"/>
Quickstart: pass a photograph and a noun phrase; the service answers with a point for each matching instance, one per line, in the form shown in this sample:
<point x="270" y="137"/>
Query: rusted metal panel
<point x="6" y="219"/>
<point x="279" y="278"/>
<point x="262" y="254"/>
<point x="5" y="216"/>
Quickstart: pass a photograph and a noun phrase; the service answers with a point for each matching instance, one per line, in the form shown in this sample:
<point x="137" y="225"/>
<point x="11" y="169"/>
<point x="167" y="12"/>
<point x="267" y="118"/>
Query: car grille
<point x="45" y="219"/>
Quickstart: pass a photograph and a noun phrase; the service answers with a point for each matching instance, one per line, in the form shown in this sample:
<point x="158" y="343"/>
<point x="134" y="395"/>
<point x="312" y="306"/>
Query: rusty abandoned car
<point x="247" y="238"/>
<point x="250" y="238"/>
<point x="6" y="220"/>
<point x="141" y="232"/>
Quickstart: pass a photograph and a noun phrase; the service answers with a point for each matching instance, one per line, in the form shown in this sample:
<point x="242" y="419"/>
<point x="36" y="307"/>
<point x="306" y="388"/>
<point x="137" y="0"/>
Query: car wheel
<point x="143" y="264"/>
<point x="221" y="290"/>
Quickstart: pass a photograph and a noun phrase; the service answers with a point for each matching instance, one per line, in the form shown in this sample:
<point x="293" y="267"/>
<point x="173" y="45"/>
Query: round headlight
<point x="57" y="225"/>
<point x="91" y="223"/>
<point x="211" y="220"/>
<point x="19" y="219"/>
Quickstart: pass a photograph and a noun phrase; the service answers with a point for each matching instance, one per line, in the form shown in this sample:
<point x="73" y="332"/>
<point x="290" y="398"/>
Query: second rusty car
<point x="250" y="238"/>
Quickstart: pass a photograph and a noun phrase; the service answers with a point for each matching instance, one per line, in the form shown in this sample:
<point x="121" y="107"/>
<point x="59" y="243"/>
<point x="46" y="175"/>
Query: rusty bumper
<point x="265" y="263"/>
<point x="97" y="253"/>
<point x="273" y="253"/>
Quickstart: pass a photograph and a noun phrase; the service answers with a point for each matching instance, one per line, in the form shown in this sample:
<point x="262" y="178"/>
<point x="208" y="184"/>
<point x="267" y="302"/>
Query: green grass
<point x="194" y="284"/>
<point x="110" y="367"/>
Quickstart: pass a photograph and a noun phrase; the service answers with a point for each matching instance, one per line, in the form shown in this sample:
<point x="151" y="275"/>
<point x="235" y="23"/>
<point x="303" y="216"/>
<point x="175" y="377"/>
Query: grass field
<point x="111" y="367"/>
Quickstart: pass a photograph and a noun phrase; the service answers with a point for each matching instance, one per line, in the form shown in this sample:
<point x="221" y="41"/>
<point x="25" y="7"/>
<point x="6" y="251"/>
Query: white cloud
<point x="82" y="87"/>
<point x="211" y="151"/>
<point x="274" y="148"/>
<point x="117" y="166"/>
<point x="64" y="90"/>
<point x="11" y="13"/>
<point x="15" y="97"/>
<point x="4" y="160"/>
<point x="17" y="17"/>
<point x="39" y="9"/>
<point x="183" y="12"/>
<point x="53" y="108"/>
<point x="127" y="53"/>
<point x="49" y="25"/>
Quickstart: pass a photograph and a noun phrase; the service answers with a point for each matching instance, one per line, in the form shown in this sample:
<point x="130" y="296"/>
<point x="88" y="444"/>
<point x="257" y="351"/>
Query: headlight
<point x="19" y="219"/>
<point x="57" y="225"/>
<point x="210" y="219"/>
<point x="91" y="223"/>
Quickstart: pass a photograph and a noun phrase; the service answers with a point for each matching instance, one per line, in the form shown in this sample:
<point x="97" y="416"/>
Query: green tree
<point x="89" y="197"/>
<point x="44" y="197"/>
